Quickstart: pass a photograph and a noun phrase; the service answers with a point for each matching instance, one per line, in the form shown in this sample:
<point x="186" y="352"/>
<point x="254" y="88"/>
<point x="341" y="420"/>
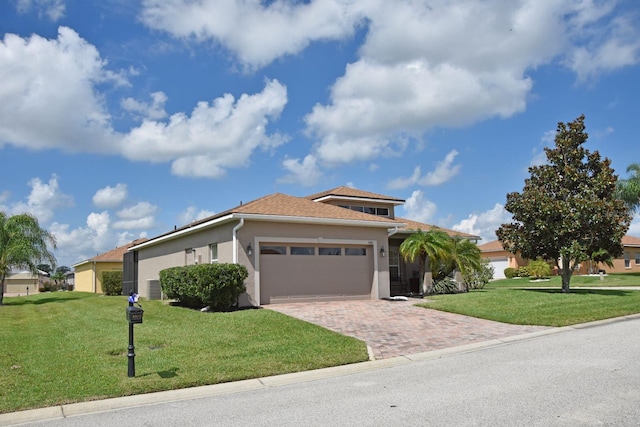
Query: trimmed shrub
<point x="112" y="282"/>
<point x="539" y="269"/>
<point x="510" y="272"/>
<point x="215" y="285"/>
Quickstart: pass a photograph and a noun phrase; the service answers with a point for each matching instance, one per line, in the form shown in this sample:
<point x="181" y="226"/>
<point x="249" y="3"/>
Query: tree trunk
<point x="427" y="283"/>
<point x="2" y="288"/>
<point x="566" y="275"/>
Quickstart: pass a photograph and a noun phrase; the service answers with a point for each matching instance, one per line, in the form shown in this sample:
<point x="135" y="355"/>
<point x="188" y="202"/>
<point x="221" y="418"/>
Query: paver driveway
<point x="396" y="328"/>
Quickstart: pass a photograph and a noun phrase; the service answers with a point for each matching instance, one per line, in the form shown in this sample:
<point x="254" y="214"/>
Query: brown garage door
<point x="295" y="272"/>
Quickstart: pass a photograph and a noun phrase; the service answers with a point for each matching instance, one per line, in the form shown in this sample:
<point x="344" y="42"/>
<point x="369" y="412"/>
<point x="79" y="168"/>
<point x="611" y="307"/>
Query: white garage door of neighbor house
<point x="499" y="264"/>
<point x="298" y="272"/>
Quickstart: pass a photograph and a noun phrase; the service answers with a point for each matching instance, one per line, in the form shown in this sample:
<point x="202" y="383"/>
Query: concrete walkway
<point x="398" y="328"/>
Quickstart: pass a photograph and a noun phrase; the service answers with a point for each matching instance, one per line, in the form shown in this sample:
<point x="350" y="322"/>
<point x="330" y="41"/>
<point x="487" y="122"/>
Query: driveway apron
<point x="397" y="328"/>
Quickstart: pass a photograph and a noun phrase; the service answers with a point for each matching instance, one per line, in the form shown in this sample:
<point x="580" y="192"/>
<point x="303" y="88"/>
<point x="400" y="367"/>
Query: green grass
<point x="609" y="280"/>
<point x="544" y="307"/>
<point x="70" y="346"/>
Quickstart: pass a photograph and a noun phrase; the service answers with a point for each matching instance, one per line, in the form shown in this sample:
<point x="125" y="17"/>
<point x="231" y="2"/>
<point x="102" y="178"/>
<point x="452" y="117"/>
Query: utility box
<point x="134" y="314"/>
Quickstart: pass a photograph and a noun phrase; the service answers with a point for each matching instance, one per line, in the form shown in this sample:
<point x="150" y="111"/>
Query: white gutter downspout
<point x="235" y="240"/>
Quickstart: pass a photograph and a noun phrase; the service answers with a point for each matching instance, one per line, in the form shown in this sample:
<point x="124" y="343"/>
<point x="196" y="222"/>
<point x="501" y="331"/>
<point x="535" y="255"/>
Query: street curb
<point x="127" y="402"/>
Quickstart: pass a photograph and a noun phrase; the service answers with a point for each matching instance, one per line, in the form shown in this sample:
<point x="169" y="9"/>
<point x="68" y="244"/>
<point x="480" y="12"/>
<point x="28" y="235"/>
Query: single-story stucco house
<point x="24" y="282"/>
<point x="340" y="244"/>
<point x="500" y="259"/>
<point x="88" y="273"/>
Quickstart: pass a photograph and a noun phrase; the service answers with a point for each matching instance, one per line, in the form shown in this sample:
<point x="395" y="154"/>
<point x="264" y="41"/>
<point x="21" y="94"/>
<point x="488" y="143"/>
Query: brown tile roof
<point x="115" y="255"/>
<point x="353" y="193"/>
<point x="492" y="246"/>
<point x="414" y="226"/>
<point x="630" y="241"/>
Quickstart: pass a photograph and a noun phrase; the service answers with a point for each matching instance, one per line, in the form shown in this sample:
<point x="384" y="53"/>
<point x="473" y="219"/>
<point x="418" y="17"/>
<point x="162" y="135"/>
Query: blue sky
<point x="120" y="119"/>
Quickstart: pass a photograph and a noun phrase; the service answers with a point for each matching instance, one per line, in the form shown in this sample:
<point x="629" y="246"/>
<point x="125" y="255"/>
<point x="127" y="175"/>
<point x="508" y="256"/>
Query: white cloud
<point x="52" y="9"/>
<point x="305" y="172"/>
<point x="484" y="224"/>
<point x="42" y="82"/>
<point x="256" y="33"/>
<point x="83" y="242"/>
<point x="444" y="171"/>
<point x="215" y="137"/>
<point x="193" y="214"/>
<point x="152" y="111"/>
<point x="418" y="208"/>
<point x="140" y="215"/>
<point x="44" y="198"/>
<point x="110" y="197"/>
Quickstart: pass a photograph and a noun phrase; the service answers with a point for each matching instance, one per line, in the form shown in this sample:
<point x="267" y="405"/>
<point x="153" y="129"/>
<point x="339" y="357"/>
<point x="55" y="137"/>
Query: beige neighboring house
<point x="628" y="262"/>
<point x="88" y="273"/>
<point x="24" y="282"/>
<point x="341" y="244"/>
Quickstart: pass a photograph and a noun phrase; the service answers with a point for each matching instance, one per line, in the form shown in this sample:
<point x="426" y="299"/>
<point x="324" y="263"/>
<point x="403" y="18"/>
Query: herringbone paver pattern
<point x="396" y="328"/>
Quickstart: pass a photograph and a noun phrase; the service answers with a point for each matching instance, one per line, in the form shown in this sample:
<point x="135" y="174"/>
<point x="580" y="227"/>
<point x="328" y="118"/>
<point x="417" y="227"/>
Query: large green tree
<point x="430" y="248"/>
<point x="629" y="189"/>
<point x="568" y="208"/>
<point x="23" y="244"/>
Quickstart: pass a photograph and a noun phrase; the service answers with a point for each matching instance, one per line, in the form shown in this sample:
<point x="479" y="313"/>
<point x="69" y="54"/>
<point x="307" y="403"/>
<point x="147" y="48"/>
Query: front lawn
<point x="577" y="281"/>
<point x="544" y="307"/>
<point x="67" y="347"/>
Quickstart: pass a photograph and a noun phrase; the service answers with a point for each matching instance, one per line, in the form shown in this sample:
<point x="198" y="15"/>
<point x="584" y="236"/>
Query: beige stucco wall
<point x="19" y="282"/>
<point x="171" y="253"/>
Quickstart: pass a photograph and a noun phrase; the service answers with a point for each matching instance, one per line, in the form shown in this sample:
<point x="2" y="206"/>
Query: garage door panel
<point x="290" y="278"/>
<point x="499" y="264"/>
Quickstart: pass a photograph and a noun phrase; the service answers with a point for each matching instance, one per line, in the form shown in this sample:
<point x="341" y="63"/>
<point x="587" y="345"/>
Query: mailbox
<point x="134" y="314"/>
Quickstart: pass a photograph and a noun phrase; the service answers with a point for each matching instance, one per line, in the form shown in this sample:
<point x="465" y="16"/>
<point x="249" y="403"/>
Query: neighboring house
<point x="629" y="261"/>
<point x="88" y="274"/>
<point x="339" y="244"/>
<point x="499" y="258"/>
<point x="24" y="282"/>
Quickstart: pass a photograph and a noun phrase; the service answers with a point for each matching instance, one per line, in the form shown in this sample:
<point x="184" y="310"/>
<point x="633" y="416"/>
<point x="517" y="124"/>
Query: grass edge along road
<point x="525" y="302"/>
<point x="66" y="347"/>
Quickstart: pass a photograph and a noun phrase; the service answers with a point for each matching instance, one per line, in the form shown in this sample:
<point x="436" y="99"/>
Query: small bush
<point x="510" y="272"/>
<point x="522" y="272"/>
<point x="112" y="282"/>
<point x="215" y="285"/>
<point x="477" y="279"/>
<point x="445" y="286"/>
<point x="539" y="269"/>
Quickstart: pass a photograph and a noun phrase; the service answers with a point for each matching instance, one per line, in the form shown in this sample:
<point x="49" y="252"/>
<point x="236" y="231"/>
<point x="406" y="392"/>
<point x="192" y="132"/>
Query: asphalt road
<point x="576" y="377"/>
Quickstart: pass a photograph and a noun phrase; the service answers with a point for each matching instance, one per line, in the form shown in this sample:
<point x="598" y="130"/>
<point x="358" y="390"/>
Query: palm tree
<point x="429" y="247"/>
<point x="463" y="256"/>
<point x="629" y="189"/>
<point x="23" y="244"/>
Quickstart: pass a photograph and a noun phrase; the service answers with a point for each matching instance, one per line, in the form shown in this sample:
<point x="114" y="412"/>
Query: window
<point x="355" y="251"/>
<point x="637" y="258"/>
<point x="273" y="250"/>
<point x="213" y="253"/>
<point x="627" y="260"/>
<point x="369" y="210"/>
<point x="330" y="251"/>
<point x="382" y="211"/>
<point x="302" y="250"/>
<point x="394" y="264"/>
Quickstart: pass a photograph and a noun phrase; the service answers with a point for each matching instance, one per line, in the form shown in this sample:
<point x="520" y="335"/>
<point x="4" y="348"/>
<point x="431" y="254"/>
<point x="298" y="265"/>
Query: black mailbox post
<point x="134" y="315"/>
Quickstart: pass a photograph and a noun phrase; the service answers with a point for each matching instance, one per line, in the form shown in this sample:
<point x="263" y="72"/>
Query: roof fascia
<point x="183" y="232"/>
<point x="321" y="221"/>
